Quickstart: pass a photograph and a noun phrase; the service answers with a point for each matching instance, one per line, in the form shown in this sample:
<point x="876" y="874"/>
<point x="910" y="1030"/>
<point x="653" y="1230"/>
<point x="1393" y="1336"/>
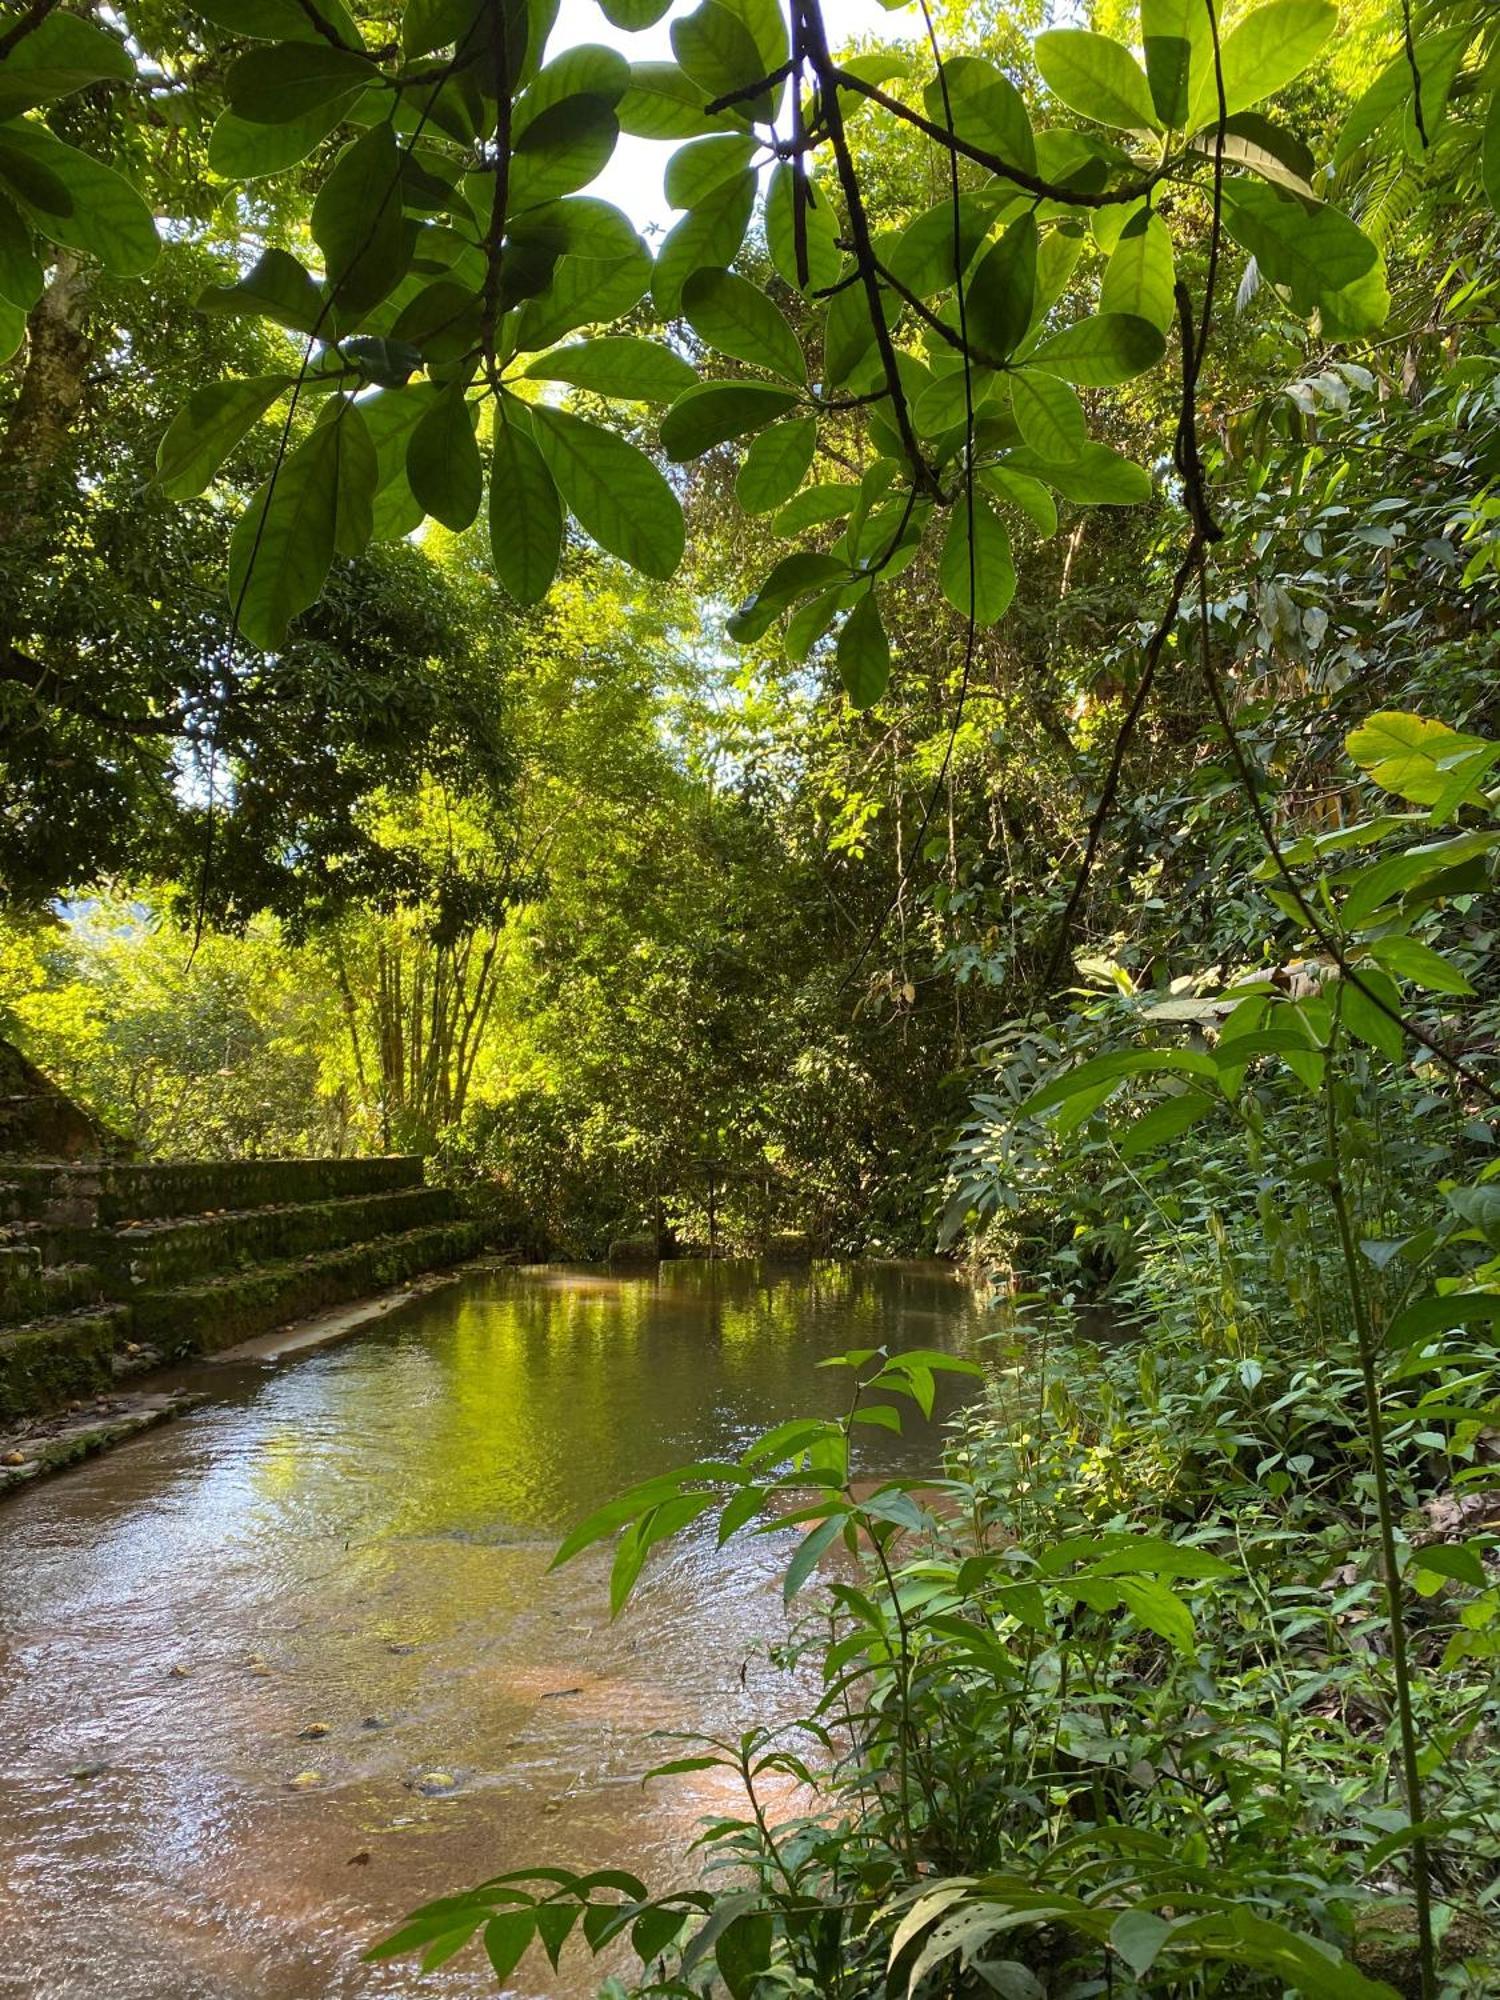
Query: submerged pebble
<point x="314" y="1730"/>
<point x="305" y="1781"/>
<point x="432" y="1784"/>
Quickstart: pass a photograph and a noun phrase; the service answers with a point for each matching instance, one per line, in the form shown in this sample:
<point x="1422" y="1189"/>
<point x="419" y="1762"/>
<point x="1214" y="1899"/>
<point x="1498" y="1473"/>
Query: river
<point x="355" y="1545"/>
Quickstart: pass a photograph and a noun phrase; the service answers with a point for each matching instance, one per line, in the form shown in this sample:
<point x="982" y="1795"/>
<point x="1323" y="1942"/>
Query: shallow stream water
<point x="358" y="1542"/>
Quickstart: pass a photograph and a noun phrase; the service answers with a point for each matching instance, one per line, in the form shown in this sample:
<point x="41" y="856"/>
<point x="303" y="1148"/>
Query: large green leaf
<point x="1049" y="416"/>
<point x="695" y="170"/>
<point x="1002" y="292"/>
<point x="620" y="364"/>
<point x="107" y="217"/>
<point x="275" y="287"/>
<point x="729" y="313"/>
<point x="526" y="520"/>
<point x="390" y="418"/>
<point x="588" y="69"/>
<point x="1314" y="250"/>
<point x="864" y="653"/>
<point x="1138" y="278"/>
<point x="565" y="147"/>
<point x="283" y="544"/>
<point x="1098" y="352"/>
<point x="824" y="258"/>
<point x="1098" y="77"/>
<point x="1022" y="491"/>
<point x="443" y="466"/>
<point x="714" y="412"/>
<point x="715" y="47"/>
<point x="357" y="223"/>
<point x="585" y="291"/>
<point x="208" y="427"/>
<point x="616" y="493"/>
<point x="22" y="277"/>
<point x="242" y="151"/>
<point x="1491" y="156"/>
<point x="929" y="255"/>
<point x="633" y="15"/>
<point x="1263" y="53"/>
<point x="977" y="571"/>
<point x="985" y="108"/>
<point x="282" y="20"/>
<point x="708" y="237"/>
<point x="12" y="328"/>
<point x="776" y="464"/>
<point x="272" y="86"/>
<point x="1250" y="139"/>
<point x="663" y="102"/>
<point x="1094" y="476"/>
<point x="57" y="56"/>
<point x="795" y="576"/>
<point x="1178" y="41"/>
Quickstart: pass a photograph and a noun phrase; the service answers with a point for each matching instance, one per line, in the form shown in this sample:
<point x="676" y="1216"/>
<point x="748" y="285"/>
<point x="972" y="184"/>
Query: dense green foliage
<point x="949" y="698"/>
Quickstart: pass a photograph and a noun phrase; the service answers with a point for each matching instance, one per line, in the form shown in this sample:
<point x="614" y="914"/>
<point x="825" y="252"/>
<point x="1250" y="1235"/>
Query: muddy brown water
<point x="360" y="1540"/>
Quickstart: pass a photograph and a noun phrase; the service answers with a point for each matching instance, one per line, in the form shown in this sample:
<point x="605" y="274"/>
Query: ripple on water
<point x="361" y="1540"/>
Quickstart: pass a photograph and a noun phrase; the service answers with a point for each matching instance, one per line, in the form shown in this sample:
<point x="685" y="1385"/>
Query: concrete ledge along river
<point x="274" y="1674"/>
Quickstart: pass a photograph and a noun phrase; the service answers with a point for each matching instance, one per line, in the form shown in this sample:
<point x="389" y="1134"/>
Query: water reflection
<point x="360" y="1540"/>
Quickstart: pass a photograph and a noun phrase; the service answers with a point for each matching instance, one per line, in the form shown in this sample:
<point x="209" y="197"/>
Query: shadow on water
<point x="275" y="1673"/>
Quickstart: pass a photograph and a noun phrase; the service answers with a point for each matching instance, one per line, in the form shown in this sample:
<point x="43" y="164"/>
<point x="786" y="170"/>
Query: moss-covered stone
<point x="192" y="1248"/>
<point x="56" y="1361"/>
<point x="203" y="1318"/>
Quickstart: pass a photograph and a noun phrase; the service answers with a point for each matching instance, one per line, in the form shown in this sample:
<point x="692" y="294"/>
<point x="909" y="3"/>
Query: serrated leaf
<point x="526" y="522"/>
<point x="1098" y="77"/>
<point x="729" y="313"/>
<point x="864" y="655"/>
<point x="208" y="427"/>
<point x="615" y="492"/>
<point x="977" y="571"/>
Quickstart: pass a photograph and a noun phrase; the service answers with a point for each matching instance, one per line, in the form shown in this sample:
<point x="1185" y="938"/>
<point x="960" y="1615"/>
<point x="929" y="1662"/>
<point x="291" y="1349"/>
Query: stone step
<point x="48" y="1363"/>
<point x="220" y="1312"/>
<point x="106" y="1193"/>
<point x="189" y="1249"/>
<point x="33" y="1288"/>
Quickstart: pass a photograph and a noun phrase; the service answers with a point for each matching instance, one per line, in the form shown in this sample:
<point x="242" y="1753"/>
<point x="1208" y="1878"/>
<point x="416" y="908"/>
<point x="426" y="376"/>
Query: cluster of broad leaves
<point x="54" y="196"/>
<point x="459" y="282"/>
<point x="1383" y="910"/>
<point x="939" y="1611"/>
